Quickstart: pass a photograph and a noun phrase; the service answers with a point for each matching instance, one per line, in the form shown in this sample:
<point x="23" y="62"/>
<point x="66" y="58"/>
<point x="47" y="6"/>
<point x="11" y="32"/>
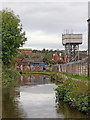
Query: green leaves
<point x="73" y="93"/>
<point x="12" y="35"/>
<point x="9" y="76"/>
<point x="48" y="61"/>
<point x="60" y="62"/>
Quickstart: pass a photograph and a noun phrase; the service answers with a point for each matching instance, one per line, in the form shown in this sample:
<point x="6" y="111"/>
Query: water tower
<point x="71" y="43"/>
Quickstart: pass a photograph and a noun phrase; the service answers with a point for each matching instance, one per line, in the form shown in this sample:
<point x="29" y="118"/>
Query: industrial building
<point x="71" y="43"/>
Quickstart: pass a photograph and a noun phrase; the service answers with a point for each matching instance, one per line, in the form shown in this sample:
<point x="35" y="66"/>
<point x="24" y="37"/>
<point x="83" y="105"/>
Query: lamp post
<point x="88" y="47"/>
<point x="88" y="39"/>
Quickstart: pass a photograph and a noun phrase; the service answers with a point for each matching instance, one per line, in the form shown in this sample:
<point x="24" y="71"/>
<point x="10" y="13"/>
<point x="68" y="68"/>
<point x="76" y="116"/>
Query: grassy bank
<point x="75" y="93"/>
<point x="82" y="77"/>
<point x="9" y="76"/>
<point x="38" y="72"/>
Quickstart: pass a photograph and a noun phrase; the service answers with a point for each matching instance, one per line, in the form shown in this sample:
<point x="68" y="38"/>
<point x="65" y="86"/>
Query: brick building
<point x="58" y="56"/>
<point x="27" y="64"/>
<point x="26" y="51"/>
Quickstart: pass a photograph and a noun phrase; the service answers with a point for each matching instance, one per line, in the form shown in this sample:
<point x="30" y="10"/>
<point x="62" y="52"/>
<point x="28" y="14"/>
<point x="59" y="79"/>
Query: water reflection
<point x="10" y="103"/>
<point x="33" y="80"/>
<point x="68" y="111"/>
<point x="34" y="97"/>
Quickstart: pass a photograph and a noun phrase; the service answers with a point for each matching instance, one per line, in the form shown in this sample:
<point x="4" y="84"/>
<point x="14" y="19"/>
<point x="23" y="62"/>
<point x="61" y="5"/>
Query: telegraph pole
<point x="88" y="39"/>
<point x="88" y="47"/>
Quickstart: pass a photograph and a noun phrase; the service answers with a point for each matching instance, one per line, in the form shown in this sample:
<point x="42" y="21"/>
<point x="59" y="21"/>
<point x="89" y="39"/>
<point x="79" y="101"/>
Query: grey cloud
<point x="45" y="0"/>
<point x="45" y="45"/>
<point x="55" y="21"/>
<point x="51" y="18"/>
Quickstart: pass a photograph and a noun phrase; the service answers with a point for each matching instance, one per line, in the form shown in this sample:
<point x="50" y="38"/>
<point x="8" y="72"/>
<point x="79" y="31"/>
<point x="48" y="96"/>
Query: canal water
<point x="34" y="97"/>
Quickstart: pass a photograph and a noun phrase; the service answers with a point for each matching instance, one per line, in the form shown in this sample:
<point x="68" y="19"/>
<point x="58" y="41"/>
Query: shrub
<point x="72" y="92"/>
<point x="9" y="76"/>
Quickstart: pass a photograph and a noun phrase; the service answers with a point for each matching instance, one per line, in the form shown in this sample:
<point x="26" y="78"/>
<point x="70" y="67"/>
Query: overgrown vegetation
<point x="82" y="77"/>
<point x="76" y="93"/>
<point x="9" y="76"/>
<point x="13" y="37"/>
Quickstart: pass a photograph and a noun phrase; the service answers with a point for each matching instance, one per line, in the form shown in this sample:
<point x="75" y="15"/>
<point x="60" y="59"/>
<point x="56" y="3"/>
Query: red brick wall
<point x="27" y="52"/>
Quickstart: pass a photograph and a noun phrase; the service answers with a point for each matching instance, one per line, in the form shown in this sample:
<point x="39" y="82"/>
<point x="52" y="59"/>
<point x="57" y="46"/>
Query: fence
<point x="78" y="67"/>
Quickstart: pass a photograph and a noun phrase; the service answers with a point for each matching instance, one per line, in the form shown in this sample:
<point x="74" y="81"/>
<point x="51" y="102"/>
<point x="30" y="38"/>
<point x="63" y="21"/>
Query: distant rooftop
<point x="24" y="49"/>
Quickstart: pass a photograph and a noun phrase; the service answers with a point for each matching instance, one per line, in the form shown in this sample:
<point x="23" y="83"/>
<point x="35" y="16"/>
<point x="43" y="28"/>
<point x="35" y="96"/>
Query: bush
<point x="60" y="92"/>
<point x="73" y="93"/>
<point x="53" y="76"/>
<point x="9" y="76"/>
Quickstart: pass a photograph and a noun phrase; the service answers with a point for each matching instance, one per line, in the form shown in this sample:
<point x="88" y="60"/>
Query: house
<point x="22" y="64"/>
<point x="26" y="51"/>
<point x="58" y="56"/>
<point x="37" y="55"/>
<point x="62" y="57"/>
<point x="26" y="64"/>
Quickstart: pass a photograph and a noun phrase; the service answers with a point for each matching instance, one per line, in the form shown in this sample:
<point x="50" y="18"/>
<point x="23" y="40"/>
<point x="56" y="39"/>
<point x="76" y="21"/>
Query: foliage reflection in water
<point x="34" y="97"/>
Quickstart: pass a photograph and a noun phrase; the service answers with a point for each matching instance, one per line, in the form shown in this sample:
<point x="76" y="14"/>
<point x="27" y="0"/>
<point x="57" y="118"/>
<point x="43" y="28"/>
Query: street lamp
<point x="88" y="39"/>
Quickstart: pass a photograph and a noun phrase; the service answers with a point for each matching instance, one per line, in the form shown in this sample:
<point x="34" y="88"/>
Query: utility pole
<point x="88" y="39"/>
<point x="88" y="47"/>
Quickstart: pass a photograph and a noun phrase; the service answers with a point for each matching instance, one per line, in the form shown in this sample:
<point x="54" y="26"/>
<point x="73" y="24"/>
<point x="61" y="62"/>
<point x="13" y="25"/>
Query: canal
<point x="34" y="97"/>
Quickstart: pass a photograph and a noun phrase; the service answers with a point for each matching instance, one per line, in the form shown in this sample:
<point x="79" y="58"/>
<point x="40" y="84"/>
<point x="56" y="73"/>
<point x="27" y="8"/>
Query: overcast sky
<point x="44" y="22"/>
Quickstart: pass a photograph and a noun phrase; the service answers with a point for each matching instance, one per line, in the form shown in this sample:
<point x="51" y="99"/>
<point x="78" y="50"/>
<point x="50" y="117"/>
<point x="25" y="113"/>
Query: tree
<point x="46" y="60"/>
<point x="43" y="51"/>
<point x="13" y="36"/>
<point x="34" y="51"/>
<point x="60" y="62"/>
<point x="22" y="55"/>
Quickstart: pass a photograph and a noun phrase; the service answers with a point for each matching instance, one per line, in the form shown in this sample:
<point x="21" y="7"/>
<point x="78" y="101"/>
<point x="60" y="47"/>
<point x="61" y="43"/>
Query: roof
<point x="32" y="60"/>
<point x="36" y="60"/>
<point x="23" y="49"/>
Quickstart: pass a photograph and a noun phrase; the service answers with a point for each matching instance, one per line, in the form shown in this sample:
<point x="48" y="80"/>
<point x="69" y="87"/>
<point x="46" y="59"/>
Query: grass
<point x="38" y="72"/>
<point x="82" y="77"/>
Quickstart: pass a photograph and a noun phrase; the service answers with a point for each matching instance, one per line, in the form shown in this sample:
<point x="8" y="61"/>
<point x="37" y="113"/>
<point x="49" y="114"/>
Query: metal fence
<point x="78" y="67"/>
